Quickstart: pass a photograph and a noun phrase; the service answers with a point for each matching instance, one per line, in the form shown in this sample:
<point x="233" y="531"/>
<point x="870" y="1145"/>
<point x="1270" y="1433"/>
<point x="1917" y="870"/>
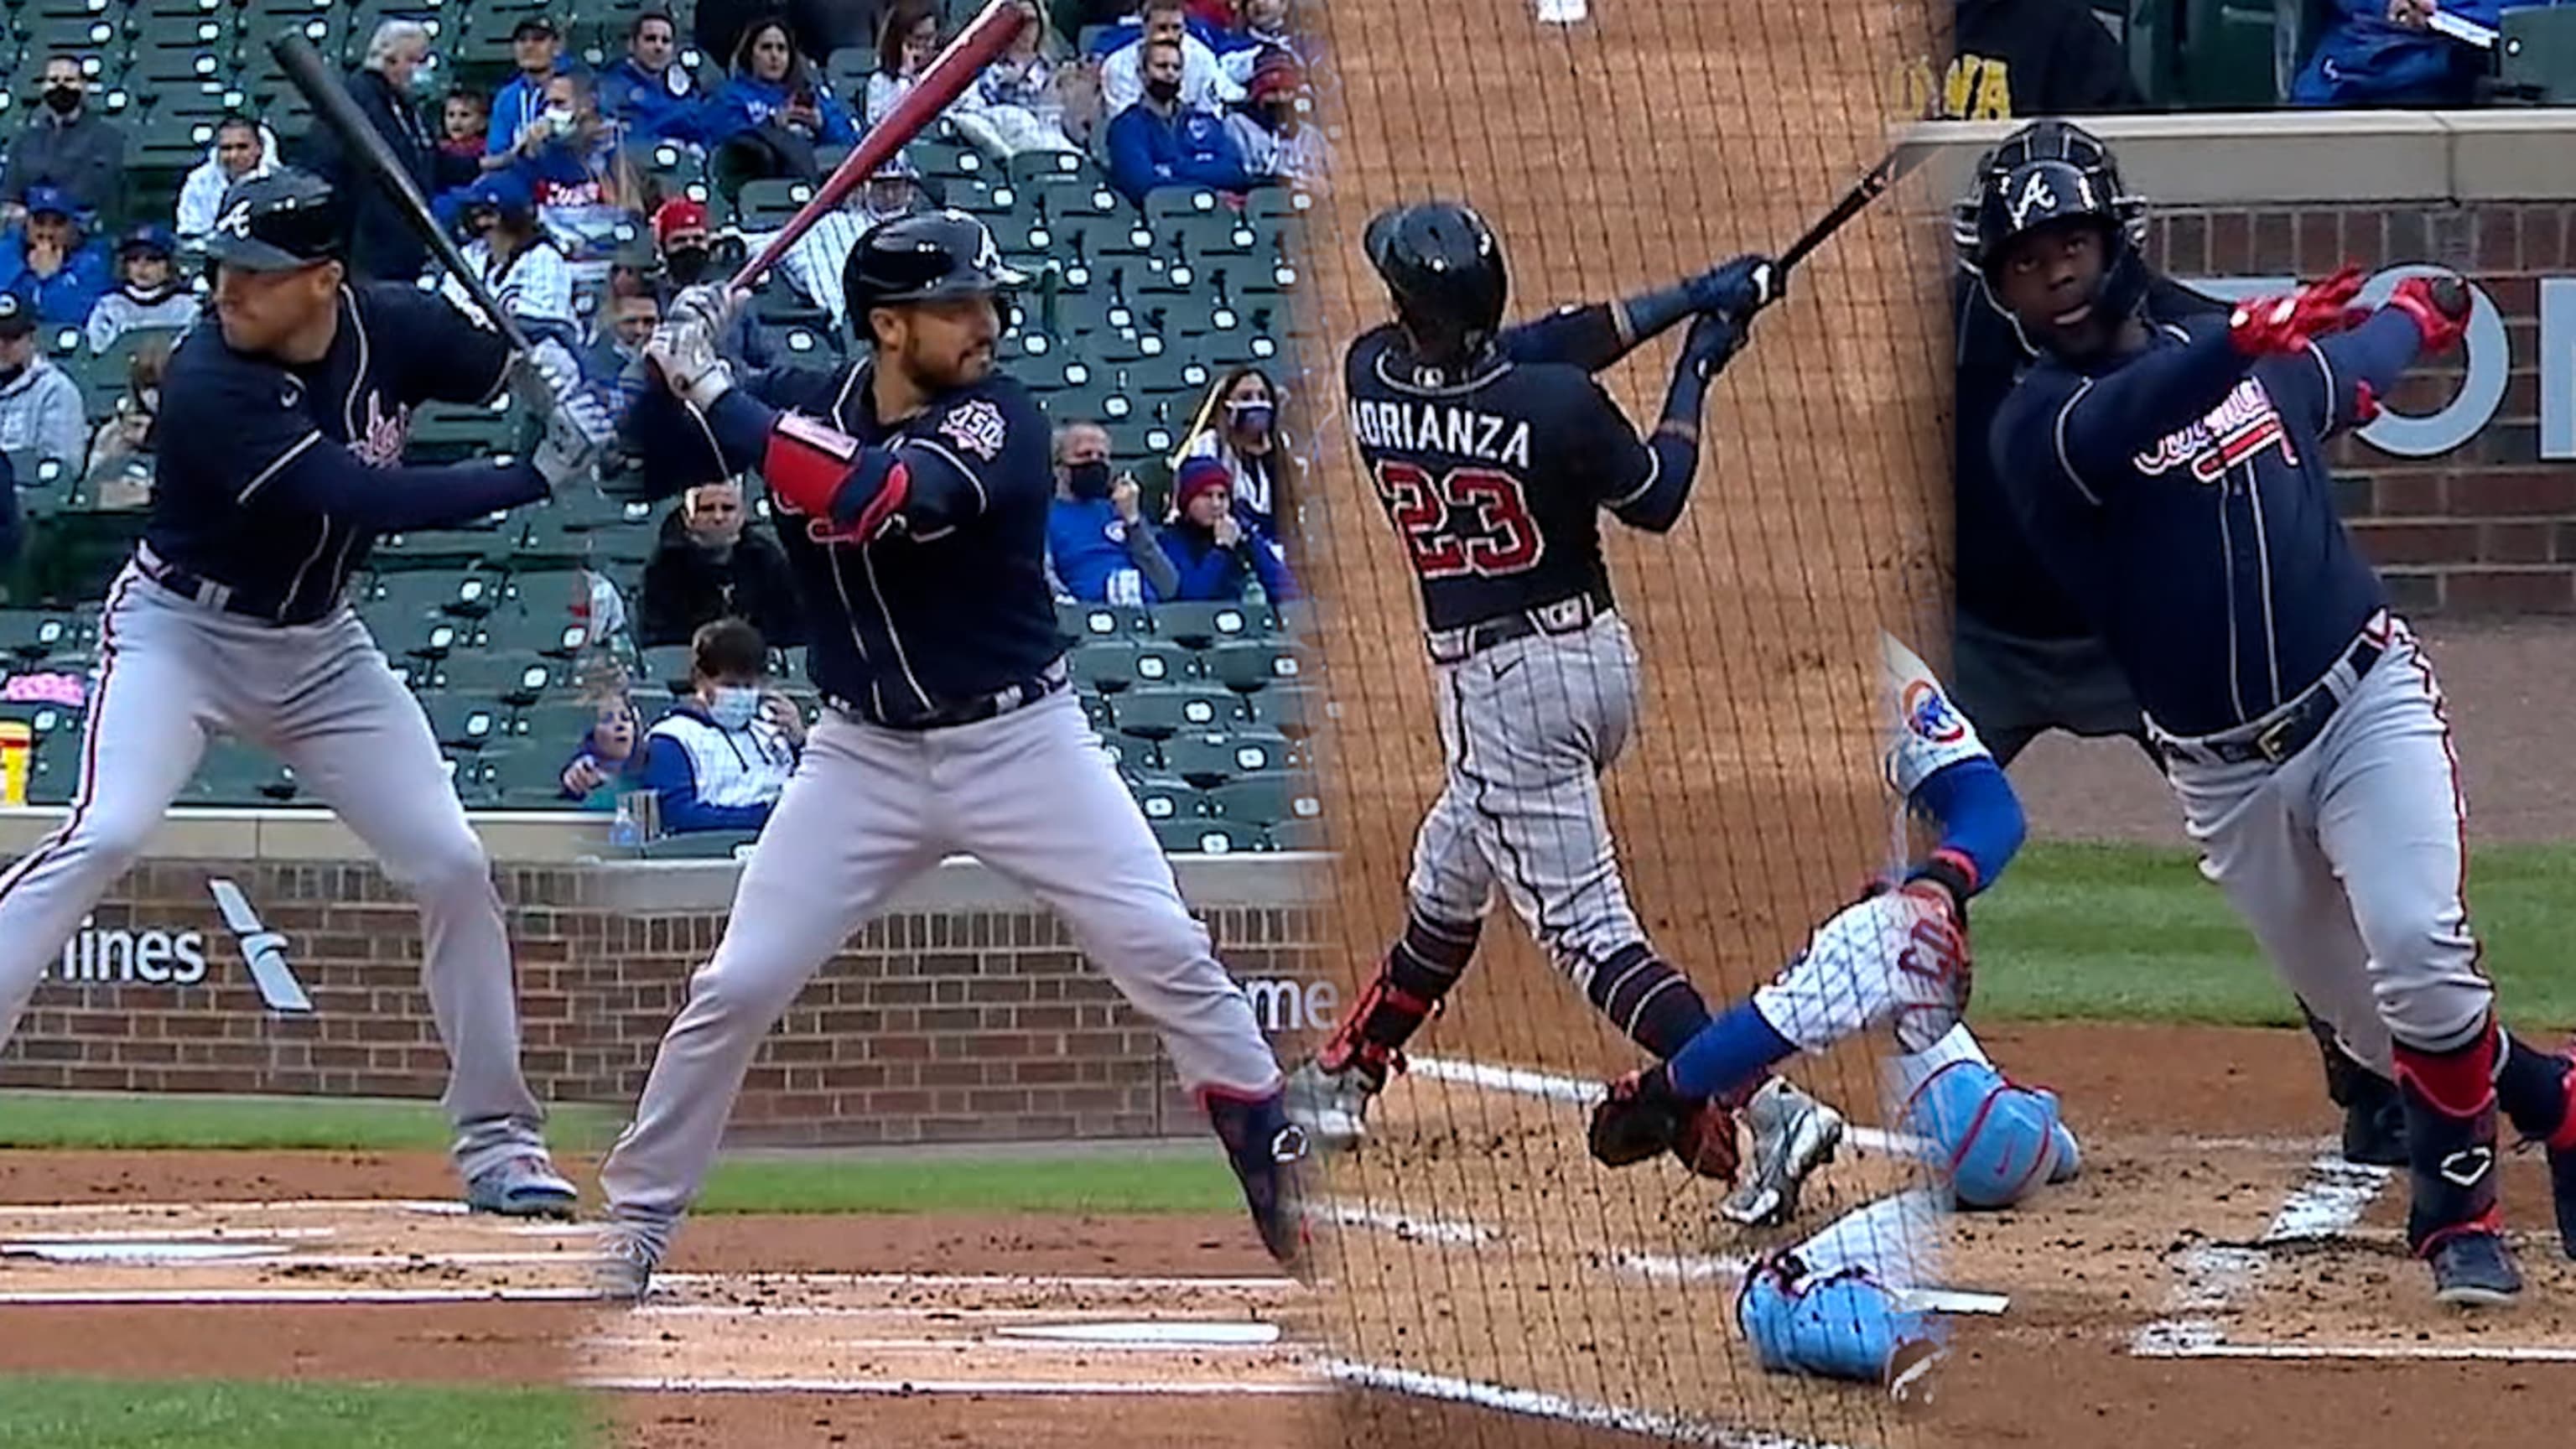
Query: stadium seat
<point x="235" y="773"/>
<point x="1307" y="834"/>
<point x="53" y="769"/>
<point x="1167" y="797"/>
<point x="464" y="594"/>
<point x="1159" y="714"/>
<point x="1201" y="625"/>
<point x="511" y="676"/>
<point x="1104" y="665"/>
<point x="667" y="666"/>
<point x="1212" y="759"/>
<point x="529" y="775"/>
<point x="1294" y="710"/>
<point x="1266" y="798"/>
<point x="1250" y="664"/>
<point x="465" y="721"/>
<point x="35" y="634"/>
<point x="1208" y="836"/>
<point x="555" y="725"/>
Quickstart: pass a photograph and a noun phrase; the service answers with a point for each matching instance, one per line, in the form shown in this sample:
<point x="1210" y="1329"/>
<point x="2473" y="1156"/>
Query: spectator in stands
<point x="242" y="149"/>
<point x="48" y="261"/>
<point x="2385" y="53"/>
<point x="1243" y="432"/>
<point x="607" y="763"/>
<point x="1211" y="549"/>
<point x="130" y="435"/>
<point x="813" y="266"/>
<point x="464" y="136"/>
<point x="67" y="146"/>
<point x="1203" y="81"/>
<point x="1271" y="129"/>
<point x="720" y="758"/>
<point x="510" y="250"/>
<point x="1099" y="546"/>
<point x="1163" y="140"/>
<point x="148" y="292"/>
<point x="775" y="110"/>
<point x="1014" y="105"/>
<point x="648" y="94"/>
<point x="41" y="413"/>
<point x="1257" y="30"/>
<point x="907" y="38"/>
<point x="817" y="27"/>
<point x="2033" y="58"/>
<point x="577" y="169"/>
<point x="686" y="255"/>
<point x="626" y="324"/>
<point x="712" y="563"/>
<point x="381" y="243"/>
<point x="537" y="48"/>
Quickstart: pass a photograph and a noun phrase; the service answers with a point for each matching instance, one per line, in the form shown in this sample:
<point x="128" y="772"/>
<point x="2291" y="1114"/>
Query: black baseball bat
<point x="368" y="152"/>
<point x="1891" y="168"/>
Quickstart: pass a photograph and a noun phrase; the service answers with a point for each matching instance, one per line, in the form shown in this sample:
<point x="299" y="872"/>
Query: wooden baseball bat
<point x="940" y="85"/>
<point x="368" y="153"/>
<point x="1891" y="168"/>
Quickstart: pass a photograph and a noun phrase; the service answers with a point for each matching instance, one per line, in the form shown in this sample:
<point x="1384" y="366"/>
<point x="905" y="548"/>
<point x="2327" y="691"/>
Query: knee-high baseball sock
<point x="1425" y="961"/>
<point x="1645" y="997"/>
<point x="2450" y="1100"/>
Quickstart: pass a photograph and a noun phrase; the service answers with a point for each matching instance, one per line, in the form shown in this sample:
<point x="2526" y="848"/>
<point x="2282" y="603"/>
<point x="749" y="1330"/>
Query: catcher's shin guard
<point x="2450" y="1140"/>
<point x="2537" y="1090"/>
<point x="1844" y="1325"/>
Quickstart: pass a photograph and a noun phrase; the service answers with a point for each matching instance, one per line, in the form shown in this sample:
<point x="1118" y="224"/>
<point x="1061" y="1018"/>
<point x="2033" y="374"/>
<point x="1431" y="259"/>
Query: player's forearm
<point x="1145" y="553"/>
<point x="1587" y="336"/>
<point x="327" y="479"/>
<point x="1673" y="458"/>
<point x="1730" y="1053"/>
<point x="1979" y="817"/>
<point x="2376" y="353"/>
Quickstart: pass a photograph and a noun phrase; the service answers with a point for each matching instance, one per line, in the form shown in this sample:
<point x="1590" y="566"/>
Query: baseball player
<point x="2024" y="660"/>
<point x="1494" y="453"/>
<point x="914" y="486"/>
<point x="286" y="426"/>
<point x="2174" y="478"/>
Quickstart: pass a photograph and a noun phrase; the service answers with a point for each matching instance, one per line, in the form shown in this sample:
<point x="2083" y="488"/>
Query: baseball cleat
<point x="629" y="1251"/>
<point x="2562" y="1187"/>
<point x="526" y="1186"/>
<point x="2474" y="1270"/>
<point x="1267" y="1152"/>
<point x="1332" y="1105"/>
<point x="1793" y="1135"/>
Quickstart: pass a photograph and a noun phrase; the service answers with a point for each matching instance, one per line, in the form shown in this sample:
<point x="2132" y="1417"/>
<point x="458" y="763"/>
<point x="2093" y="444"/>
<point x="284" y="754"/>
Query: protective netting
<point x="1489" y="1282"/>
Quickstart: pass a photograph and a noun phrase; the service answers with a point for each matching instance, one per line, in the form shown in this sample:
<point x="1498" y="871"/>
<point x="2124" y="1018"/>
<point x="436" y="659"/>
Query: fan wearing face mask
<point x="67" y="145"/>
<point x="1100" y="548"/>
<point x="720" y="758"/>
<point x="1242" y="431"/>
<point x="685" y="252"/>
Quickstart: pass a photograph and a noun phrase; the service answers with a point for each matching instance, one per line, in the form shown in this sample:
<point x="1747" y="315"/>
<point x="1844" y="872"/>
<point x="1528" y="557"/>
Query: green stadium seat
<point x="667" y="666"/>
<point x="1102" y="621"/>
<point x="466" y="721"/>
<point x="1167" y="797"/>
<point x="1251" y="664"/>
<point x="1266" y="798"/>
<point x="529" y="776"/>
<point x="1104" y="666"/>
<point x="848" y="69"/>
<point x="766" y="205"/>
<point x="1049" y="168"/>
<point x="450" y="432"/>
<point x="476" y="779"/>
<point x="2536" y="55"/>
<point x="700" y="845"/>
<point x="29" y="634"/>
<point x="1208" y="837"/>
<point x="464" y="594"/>
<point x="168" y="70"/>
<point x="1159" y="714"/>
<point x="236" y="773"/>
<point x="552" y="724"/>
<point x="1298" y="835"/>
<point x="1201" y="625"/>
<point x="1209" y="760"/>
<point x="448" y="550"/>
<point x="512" y="676"/>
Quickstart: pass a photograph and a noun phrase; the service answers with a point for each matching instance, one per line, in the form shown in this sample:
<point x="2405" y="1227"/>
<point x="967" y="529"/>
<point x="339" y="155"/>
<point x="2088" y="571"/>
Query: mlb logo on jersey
<point x="1929" y="714"/>
<point x="2234" y="432"/>
<point x="975" y="427"/>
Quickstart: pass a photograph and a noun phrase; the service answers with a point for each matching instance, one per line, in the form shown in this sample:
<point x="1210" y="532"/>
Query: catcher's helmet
<point x="276" y="223"/>
<point x="2013" y="201"/>
<point x="1445" y="270"/>
<point x="930" y="256"/>
<point x="2046" y="140"/>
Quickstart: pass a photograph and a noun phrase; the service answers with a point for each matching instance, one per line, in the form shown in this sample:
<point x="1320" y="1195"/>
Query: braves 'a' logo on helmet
<point x="235" y="221"/>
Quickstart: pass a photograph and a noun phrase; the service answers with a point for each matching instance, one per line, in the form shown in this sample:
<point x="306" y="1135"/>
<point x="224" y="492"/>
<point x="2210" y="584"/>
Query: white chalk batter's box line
<point x="1037" y="1388"/>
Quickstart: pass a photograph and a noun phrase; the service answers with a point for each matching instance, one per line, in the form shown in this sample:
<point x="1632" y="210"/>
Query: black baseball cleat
<point x="2562" y="1187"/>
<point x="2474" y="1270"/>
<point x="1267" y="1152"/>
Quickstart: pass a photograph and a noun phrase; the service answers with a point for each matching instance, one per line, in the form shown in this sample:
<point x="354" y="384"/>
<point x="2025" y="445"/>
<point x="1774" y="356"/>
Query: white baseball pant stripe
<point x="173" y="673"/>
<point x="2347" y="862"/>
<point x="1032" y="796"/>
<point x="1527" y="728"/>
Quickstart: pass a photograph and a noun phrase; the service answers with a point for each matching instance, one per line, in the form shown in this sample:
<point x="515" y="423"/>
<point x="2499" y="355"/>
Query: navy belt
<point x="1562" y="616"/>
<point x="198" y="589"/>
<point x="1014" y="696"/>
<point x="2292" y="728"/>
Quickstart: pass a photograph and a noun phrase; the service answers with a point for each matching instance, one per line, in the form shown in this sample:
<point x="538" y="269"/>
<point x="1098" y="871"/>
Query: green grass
<point x="2124" y="932"/>
<point x="54" y="1413"/>
<point x="355" y="1124"/>
<point x="1156" y="1182"/>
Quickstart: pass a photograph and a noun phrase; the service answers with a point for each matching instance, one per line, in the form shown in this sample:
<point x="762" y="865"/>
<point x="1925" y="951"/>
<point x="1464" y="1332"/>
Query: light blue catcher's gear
<point x="1842" y="1325"/>
<point x="1994" y="1139"/>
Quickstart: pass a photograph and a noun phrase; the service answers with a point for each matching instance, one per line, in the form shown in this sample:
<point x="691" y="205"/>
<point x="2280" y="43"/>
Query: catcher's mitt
<point x="1642" y="1118"/>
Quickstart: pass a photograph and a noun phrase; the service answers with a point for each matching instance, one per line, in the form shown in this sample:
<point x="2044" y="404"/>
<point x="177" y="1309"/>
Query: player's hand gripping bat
<point x="1772" y="282"/>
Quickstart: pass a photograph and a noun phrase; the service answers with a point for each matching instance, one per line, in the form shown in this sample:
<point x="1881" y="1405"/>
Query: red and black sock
<point x="2450" y="1100"/>
<point x="1420" y="968"/>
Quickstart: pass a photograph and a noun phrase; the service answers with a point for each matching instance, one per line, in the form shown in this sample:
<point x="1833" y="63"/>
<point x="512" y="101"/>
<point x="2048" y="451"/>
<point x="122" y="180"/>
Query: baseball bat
<point x="369" y="153"/>
<point x="942" y="83"/>
<point x="1892" y="167"/>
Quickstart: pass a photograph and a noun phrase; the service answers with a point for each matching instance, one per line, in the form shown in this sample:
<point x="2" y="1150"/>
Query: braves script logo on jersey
<point x="379" y="443"/>
<point x="2234" y="432"/>
<point x="1928" y="714"/>
<point x="976" y="427"/>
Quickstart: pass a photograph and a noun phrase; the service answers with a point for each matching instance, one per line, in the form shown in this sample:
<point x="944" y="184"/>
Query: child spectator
<point x="1244" y="434"/>
<point x="48" y="261"/>
<point x="464" y="136"/>
<point x="608" y="763"/>
<point x="1099" y="546"/>
<point x="242" y="149"/>
<point x="1163" y="140"/>
<point x="516" y="259"/>
<point x="1014" y="105"/>
<point x="648" y="93"/>
<point x="149" y="294"/>
<point x="711" y="564"/>
<point x="720" y="758"/>
<point x="768" y="119"/>
<point x="131" y="436"/>
<point x="1211" y="550"/>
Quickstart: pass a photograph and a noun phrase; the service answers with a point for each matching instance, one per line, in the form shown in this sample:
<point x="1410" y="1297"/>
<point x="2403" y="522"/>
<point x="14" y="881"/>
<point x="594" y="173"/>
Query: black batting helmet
<point x="2015" y="201"/>
<point x="2047" y="139"/>
<point x="1444" y="268"/>
<point x="277" y="222"/>
<point x="929" y="256"/>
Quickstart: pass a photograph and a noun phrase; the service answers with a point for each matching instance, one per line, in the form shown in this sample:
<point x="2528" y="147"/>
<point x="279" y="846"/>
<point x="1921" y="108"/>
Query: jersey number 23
<point x="1500" y="537"/>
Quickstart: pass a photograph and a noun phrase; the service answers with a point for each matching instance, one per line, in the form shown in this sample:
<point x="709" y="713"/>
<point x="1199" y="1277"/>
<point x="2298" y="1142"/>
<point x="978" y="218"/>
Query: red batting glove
<point x="2272" y="325"/>
<point x="2440" y="307"/>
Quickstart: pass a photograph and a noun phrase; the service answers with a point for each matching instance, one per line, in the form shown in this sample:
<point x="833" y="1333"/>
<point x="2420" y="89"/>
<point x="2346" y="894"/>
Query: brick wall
<point x="2489" y="527"/>
<point x="928" y="1027"/>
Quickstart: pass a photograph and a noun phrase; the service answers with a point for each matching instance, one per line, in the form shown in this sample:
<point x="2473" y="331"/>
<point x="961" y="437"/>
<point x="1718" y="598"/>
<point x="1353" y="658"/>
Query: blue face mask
<point x="734" y="706"/>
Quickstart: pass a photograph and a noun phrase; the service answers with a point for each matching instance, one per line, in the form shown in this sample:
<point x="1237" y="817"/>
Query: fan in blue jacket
<point x="1160" y="142"/>
<point x="80" y="270"/>
<point x="1212" y="552"/>
<point x="769" y="81"/>
<point x="2382" y="54"/>
<point x="650" y="93"/>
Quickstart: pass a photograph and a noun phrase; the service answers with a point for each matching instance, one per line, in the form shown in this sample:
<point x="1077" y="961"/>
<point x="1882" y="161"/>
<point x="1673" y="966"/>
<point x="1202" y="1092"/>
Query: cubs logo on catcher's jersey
<point x="1926" y="732"/>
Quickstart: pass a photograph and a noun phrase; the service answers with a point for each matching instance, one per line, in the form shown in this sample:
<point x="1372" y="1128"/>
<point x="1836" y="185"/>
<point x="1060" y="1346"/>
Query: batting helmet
<point x="2014" y="202"/>
<point x="929" y="256"/>
<point x="1444" y="268"/>
<point x="2046" y="140"/>
<point x="275" y="223"/>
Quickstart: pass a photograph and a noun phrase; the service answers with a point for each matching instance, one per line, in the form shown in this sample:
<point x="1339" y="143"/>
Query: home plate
<point x="1159" y="1334"/>
<point x="142" y="1253"/>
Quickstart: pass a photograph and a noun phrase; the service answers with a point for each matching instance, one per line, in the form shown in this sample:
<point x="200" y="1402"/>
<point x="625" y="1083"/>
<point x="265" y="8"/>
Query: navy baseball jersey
<point x="275" y="481"/>
<point x="1496" y="481"/>
<point x="2002" y="582"/>
<point x="952" y="607"/>
<point x="2181" y="495"/>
